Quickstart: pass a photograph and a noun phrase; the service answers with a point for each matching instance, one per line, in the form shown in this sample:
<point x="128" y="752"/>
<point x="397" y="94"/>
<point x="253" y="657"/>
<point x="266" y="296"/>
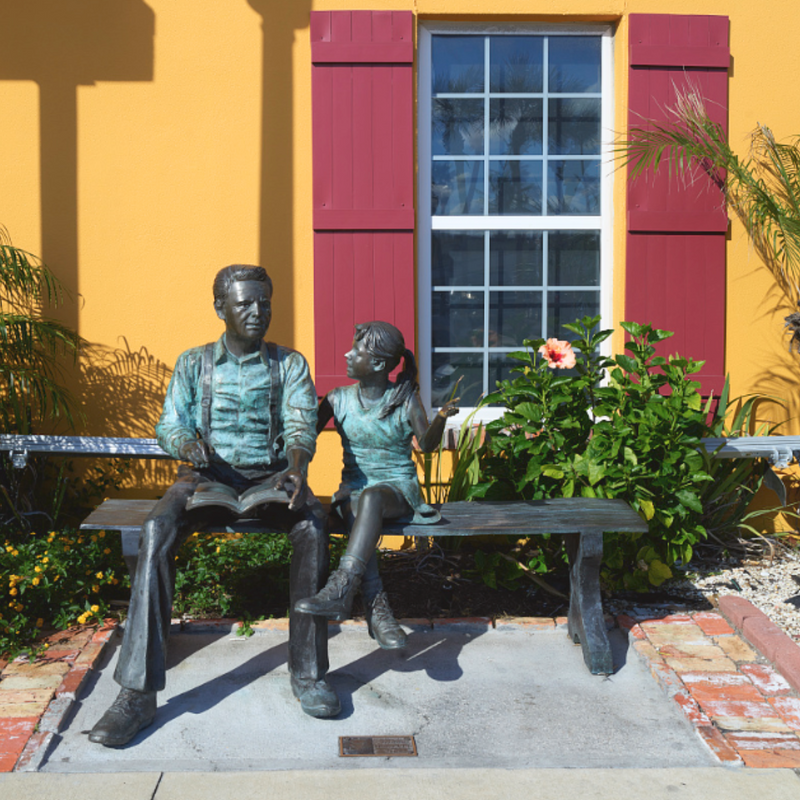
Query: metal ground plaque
<point x="377" y="746"/>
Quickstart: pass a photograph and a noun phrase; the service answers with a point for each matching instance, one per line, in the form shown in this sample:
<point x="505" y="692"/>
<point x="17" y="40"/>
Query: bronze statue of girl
<point x="376" y="420"/>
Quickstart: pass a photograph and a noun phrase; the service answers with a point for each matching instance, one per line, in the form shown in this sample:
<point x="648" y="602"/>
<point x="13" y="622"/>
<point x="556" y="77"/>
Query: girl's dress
<point x="376" y="451"/>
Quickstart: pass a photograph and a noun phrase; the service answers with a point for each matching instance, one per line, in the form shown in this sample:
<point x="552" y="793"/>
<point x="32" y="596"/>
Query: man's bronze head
<point x="237" y="272"/>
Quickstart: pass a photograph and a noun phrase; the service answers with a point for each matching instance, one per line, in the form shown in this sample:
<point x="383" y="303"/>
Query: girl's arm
<point x="324" y="413"/>
<point x="428" y="435"/>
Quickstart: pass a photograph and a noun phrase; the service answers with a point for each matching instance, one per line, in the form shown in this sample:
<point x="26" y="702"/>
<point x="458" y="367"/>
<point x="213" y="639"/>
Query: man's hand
<point x="292" y="481"/>
<point x="197" y="452"/>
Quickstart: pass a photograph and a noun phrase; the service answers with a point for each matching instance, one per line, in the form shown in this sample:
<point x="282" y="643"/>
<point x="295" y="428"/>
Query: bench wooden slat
<point x="561" y="515"/>
<point x="520" y="518"/>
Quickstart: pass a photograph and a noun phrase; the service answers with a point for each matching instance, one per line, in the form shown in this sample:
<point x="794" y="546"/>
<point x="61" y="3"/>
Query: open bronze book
<point x="223" y="496"/>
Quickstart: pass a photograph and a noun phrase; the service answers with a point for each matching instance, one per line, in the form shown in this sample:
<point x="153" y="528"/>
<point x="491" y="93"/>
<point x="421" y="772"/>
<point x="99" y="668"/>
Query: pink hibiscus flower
<point x="558" y="354"/>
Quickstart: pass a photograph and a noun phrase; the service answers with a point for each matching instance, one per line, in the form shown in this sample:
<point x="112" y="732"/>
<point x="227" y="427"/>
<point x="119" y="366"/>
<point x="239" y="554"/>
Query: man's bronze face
<point x="247" y="311"/>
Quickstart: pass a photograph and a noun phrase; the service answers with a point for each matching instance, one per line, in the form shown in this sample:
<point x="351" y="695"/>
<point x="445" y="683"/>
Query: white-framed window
<point x="514" y="213"/>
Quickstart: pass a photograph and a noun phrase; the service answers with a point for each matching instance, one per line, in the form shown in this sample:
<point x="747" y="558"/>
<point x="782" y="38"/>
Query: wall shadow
<point x="280" y="22"/>
<point x="129" y="387"/>
<point x="63" y="45"/>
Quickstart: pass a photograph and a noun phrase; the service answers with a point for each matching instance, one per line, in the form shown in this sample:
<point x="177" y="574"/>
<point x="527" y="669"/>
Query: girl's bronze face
<point x="360" y="363"/>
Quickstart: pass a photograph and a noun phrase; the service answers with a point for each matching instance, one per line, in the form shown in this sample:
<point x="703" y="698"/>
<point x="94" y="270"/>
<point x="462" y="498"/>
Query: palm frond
<point x="34" y="349"/>
<point x="762" y="190"/>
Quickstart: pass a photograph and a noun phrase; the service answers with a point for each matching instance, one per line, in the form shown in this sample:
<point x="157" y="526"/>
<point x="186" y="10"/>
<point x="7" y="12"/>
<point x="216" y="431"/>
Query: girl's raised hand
<point x="449" y="409"/>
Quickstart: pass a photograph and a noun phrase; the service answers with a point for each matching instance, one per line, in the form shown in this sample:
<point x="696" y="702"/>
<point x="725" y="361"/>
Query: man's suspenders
<point x="269" y="356"/>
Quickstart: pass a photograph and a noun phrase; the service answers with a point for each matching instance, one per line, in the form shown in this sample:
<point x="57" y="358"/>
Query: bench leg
<point x="130" y="551"/>
<point x="586" y="624"/>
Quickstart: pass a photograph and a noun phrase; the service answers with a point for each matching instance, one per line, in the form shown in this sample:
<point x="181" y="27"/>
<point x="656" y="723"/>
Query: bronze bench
<point x="581" y="520"/>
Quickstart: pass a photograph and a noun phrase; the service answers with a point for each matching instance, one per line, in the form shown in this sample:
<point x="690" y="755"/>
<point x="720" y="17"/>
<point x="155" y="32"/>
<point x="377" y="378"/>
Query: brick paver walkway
<point x="741" y="706"/>
<point x="35" y="698"/>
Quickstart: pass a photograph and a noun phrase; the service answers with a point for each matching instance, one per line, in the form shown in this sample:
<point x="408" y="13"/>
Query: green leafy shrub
<point x="626" y="427"/>
<point x="235" y="575"/>
<point x="56" y="580"/>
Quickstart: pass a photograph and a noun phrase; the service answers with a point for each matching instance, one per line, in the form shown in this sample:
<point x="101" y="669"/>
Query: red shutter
<point x="675" y="272"/>
<point x="363" y="150"/>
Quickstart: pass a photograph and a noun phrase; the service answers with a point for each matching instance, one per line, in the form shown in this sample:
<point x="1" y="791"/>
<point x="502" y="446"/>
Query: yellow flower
<point x="93" y="538"/>
<point x="95" y="609"/>
<point x="217" y="550"/>
<point x="9" y="548"/>
<point x="37" y="569"/>
<point x="96" y="589"/>
<point x="39" y="622"/>
<point x="102" y="534"/>
<point x="18" y="607"/>
<point x="13" y="591"/>
<point x="99" y="576"/>
<point x="45" y="560"/>
<point x="15" y="553"/>
<point x="46" y="645"/>
<point x="107" y="550"/>
<point x="66" y="548"/>
<point x="36" y="581"/>
<point x="56" y="578"/>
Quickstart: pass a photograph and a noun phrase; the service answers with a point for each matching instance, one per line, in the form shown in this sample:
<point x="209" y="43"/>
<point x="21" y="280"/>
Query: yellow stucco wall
<point x="146" y="144"/>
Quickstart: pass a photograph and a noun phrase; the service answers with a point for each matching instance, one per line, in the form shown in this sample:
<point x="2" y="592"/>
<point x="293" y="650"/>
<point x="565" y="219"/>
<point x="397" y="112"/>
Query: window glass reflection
<point x="573" y="258"/>
<point x="515" y="64"/>
<point x="457" y="127"/>
<point x="447" y="369"/>
<point x="515" y="258"/>
<point x="457" y="64"/>
<point x="566" y="307"/>
<point x="573" y="187"/>
<point x="514" y="316"/>
<point x="457" y="319"/>
<point x="457" y="187"/>
<point x="515" y="126"/>
<point x="457" y="258"/>
<point x="515" y="187"/>
<point x="574" y="63"/>
<point x="573" y="126"/>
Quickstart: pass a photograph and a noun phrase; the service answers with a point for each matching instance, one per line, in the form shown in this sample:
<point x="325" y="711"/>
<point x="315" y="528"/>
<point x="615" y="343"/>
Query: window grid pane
<point x="533" y="121"/>
<point x="532" y="282"/>
<point x="525" y="143"/>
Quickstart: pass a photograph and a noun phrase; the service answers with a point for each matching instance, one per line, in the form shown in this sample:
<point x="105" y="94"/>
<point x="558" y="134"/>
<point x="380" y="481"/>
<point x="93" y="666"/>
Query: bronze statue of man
<point x="242" y="412"/>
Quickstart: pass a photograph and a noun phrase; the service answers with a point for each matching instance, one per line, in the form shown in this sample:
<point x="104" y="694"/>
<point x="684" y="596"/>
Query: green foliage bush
<point x="241" y="575"/>
<point x="626" y="427"/>
<point x="56" y="579"/>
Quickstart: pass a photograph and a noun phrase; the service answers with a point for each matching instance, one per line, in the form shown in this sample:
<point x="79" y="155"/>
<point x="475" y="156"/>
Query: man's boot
<point x="382" y="625"/>
<point x="131" y="712"/>
<point x="335" y="600"/>
<point x="317" y="698"/>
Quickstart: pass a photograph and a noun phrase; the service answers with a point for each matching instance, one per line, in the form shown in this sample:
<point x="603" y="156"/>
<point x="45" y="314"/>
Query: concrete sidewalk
<point x="718" y="783"/>
<point x="473" y="696"/>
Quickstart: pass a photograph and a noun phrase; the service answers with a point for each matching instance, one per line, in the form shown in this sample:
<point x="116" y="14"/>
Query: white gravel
<point x="771" y="585"/>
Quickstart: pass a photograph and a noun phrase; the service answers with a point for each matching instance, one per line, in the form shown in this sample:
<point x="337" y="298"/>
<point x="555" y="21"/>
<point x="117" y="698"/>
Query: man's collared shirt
<point x="240" y="406"/>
